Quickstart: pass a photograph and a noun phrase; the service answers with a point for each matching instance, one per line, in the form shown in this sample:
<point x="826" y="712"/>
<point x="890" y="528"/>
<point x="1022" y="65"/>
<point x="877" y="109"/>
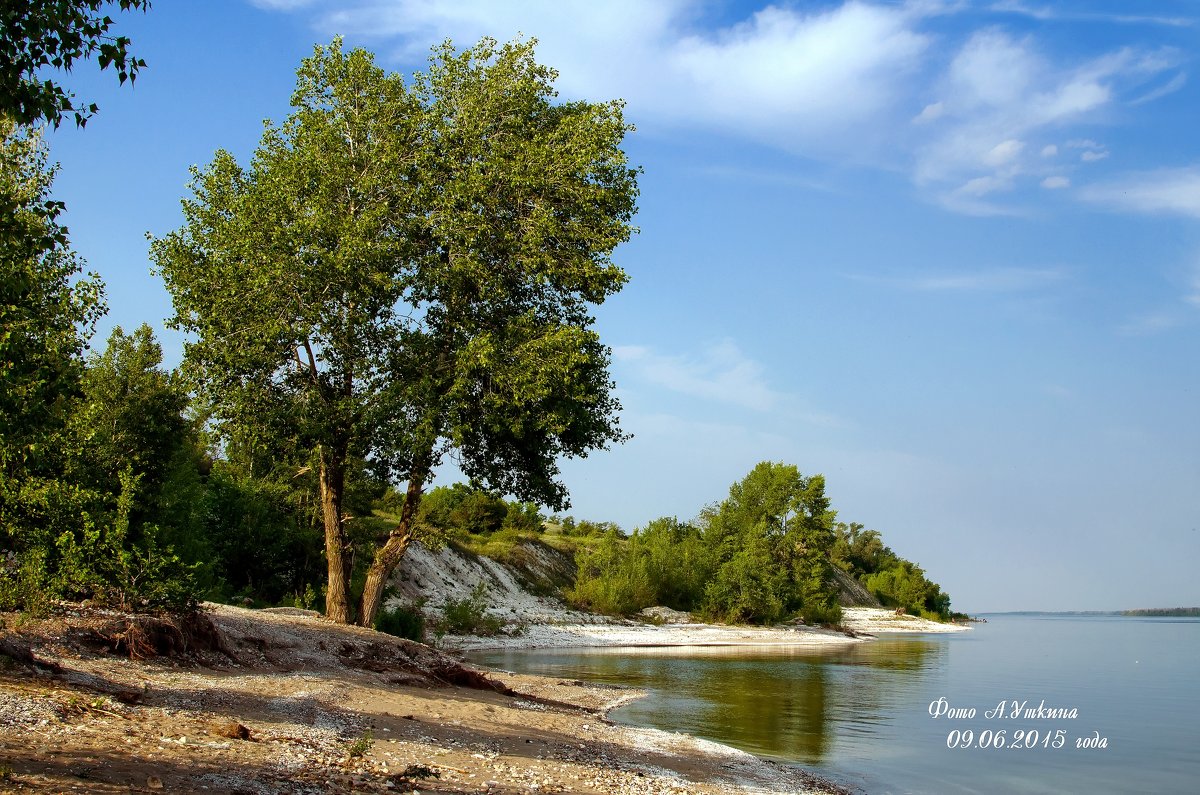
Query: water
<point x="860" y="714"/>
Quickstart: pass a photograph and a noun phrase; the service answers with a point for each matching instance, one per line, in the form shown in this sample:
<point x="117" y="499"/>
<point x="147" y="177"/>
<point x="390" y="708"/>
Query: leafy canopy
<point x="46" y="315"/>
<point x="408" y="269"/>
<point x="40" y="34"/>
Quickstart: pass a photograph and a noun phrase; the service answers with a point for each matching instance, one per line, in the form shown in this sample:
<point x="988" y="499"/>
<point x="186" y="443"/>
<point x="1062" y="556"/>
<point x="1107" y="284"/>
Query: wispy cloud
<point x="1050" y="14"/>
<point x="786" y="76"/>
<point x="990" y="280"/>
<point x="1003" y="103"/>
<point x="281" y="5"/>
<point x="1149" y="323"/>
<point x="1166" y="191"/>
<point x="1170" y="87"/>
<point x="721" y="373"/>
<point x="1192" y="290"/>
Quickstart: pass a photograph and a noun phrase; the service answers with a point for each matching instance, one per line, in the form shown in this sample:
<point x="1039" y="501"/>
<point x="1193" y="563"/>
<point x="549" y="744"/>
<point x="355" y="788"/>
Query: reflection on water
<point x="860" y="713"/>
<point x="787" y="703"/>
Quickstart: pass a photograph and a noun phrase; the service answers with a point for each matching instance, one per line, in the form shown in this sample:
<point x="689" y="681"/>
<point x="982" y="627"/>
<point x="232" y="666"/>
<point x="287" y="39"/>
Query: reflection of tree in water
<point x="908" y="654"/>
<point x="774" y="708"/>
<point x="787" y="703"/>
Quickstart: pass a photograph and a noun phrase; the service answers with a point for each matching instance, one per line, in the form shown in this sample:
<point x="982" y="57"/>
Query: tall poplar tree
<point x="407" y="270"/>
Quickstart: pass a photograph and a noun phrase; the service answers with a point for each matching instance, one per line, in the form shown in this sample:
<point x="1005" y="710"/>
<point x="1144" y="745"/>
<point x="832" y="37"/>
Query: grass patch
<point x="359" y="748"/>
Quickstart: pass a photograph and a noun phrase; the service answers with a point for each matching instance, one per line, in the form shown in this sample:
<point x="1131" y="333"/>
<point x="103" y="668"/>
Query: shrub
<point x="469" y="616"/>
<point x="403" y="621"/>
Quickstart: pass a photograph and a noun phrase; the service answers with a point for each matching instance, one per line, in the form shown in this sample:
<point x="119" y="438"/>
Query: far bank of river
<point x="860" y="713"/>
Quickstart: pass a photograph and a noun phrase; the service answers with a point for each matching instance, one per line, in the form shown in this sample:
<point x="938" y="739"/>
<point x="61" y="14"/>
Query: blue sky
<point x="945" y="253"/>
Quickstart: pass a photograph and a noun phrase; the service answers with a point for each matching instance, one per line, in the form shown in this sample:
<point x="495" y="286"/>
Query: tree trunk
<point x="337" y="592"/>
<point x="388" y="556"/>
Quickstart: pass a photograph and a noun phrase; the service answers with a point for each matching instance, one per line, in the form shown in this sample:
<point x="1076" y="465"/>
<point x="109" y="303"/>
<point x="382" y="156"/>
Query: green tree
<point x="406" y="270"/>
<point x="40" y="34"/>
<point x="859" y="551"/>
<point x="612" y="577"/>
<point x="678" y="561"/>
<point x="47" y="313"/>
<point x="772" y="539"/>
<point x="132" y="414"/>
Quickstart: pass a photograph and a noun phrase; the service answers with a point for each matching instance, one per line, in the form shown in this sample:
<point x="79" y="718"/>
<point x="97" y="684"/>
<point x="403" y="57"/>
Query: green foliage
<point x="264" y="542"/>
<point x="409" y="270"/>
<point x="403" y="621"/>
<point x="859" y="551"/>
<point x="468" y="616"/>
<point x="305" y="600"/>
<point x="750" y="587"/>
<point x="612" y="578"/>
<point x="772" y="539"/>
<point x="677" y="561"/>
<point x="40" y="34"/>
<point x="459" y="509"/>
<point x="46" y="315"/>
<point x="131" y="417"/>
<point x="761" y="556"/>
<point x="360" y="746"/>
<point x="893" y="580"/>
<point x="105" y="563"/>
<point x="25" y="582"/>
<point x="582" y="528"/>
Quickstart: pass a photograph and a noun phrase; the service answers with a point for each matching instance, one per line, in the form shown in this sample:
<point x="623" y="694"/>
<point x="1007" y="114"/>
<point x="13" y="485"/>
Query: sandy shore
<point x="289" y="703"/>
<point x="862" y="622"/>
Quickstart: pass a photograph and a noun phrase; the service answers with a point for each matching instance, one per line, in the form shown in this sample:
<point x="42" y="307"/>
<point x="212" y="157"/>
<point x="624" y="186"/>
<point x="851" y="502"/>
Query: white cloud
<point x="1092" y="151"/>
<point x="982" y="186"/>
<point x="838" y="81"/>
<point x="790" y="77"/>
<point x="721" y="373"/>
<point x="1003" y="153"/>
<point x="1192" y="294"/>
<point x="930" y="113"/>
<point x="794" y="78"/>
<point x="999" y="92"/>
<point x="1170" y="191"/>
<point x="1174" y="84"/>
<point x="984" y="280"/>
<point x="1150" y="323"/>
<point x="1056" y="183"/>
<point x="1051" y="13"/>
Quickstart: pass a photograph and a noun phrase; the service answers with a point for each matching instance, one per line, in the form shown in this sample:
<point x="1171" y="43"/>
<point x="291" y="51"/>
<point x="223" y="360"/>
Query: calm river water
<point x="861" y="714"/>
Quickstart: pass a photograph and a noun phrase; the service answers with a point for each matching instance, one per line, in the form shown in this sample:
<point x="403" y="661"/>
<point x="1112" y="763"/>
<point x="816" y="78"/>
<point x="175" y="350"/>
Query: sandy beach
<point x="284" y="701"/>
<point x="863" y="623"/>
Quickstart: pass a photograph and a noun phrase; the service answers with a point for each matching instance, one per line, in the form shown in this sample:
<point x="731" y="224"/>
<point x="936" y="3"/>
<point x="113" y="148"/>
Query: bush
<point x="24" y="583"/>
<point x="469" y="616"/>
<point x="611" y="578"/>
<point x="403" y="621"/>
<point x="823" y="614"/>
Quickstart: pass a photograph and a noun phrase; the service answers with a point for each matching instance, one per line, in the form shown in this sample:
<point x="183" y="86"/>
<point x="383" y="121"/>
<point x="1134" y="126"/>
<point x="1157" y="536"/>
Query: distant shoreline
<point x="1154" y="612"/>
<point x="862" y="623"/>
<point x="1163" y="612"/>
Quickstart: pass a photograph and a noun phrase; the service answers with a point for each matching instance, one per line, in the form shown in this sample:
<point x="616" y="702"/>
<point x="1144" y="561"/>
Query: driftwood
<point x="23" y="653"/>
